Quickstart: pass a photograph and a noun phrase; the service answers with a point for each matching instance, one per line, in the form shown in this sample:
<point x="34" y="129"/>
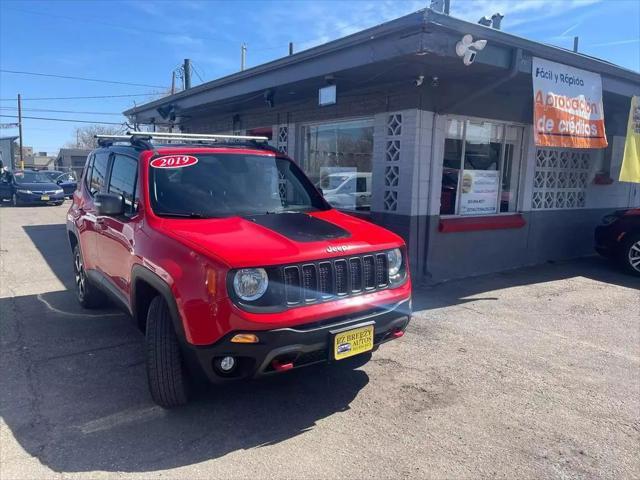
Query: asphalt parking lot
<point x="527" y="374"/>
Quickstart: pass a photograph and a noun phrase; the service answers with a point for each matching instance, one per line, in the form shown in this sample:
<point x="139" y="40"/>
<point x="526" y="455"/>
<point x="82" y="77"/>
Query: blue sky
<point x="142" y="41"/>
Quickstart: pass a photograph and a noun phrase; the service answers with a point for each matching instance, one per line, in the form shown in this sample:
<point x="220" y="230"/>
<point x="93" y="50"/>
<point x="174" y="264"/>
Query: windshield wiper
<point x="183" y="215"/>
<point x="290" y="210"/>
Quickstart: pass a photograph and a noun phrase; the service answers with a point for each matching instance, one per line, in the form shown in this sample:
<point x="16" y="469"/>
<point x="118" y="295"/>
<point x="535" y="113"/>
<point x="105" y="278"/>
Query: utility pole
<point x="575" y="44"/>
<point x="173" y="82"/>
<point x="187" y="74"/>
<point x="20" y="130"/>
<point x="290" y="48"/>
<point x="243" y="56"/>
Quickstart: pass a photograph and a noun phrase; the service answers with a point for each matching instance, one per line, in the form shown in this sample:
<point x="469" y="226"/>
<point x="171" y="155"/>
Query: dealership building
<point x="425" y="124"/>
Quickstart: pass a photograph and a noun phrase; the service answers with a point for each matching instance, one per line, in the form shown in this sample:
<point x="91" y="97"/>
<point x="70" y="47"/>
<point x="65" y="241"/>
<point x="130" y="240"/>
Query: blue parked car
<point x="66" y="180"/>
<point x="32" y="187"/>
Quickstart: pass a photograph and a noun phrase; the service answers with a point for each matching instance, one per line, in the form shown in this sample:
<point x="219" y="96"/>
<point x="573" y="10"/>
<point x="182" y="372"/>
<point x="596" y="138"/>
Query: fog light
<point x="245" y="338"/>
<point x="227" y="364"/>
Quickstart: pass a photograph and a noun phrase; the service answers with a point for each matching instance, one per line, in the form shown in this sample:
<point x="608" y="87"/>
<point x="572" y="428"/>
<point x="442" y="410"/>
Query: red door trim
<point x="471" y="224"/>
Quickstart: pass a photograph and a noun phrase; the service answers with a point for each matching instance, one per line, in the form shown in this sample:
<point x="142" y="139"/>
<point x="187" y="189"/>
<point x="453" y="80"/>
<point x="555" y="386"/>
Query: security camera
<point x="469" y="57"/>
<point x="468" y="49"/>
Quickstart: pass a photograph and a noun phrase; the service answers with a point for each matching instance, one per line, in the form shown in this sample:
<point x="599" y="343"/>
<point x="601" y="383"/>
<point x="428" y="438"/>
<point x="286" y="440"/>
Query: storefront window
<point x="480" y="168"/>
<point x="337" y="157"/>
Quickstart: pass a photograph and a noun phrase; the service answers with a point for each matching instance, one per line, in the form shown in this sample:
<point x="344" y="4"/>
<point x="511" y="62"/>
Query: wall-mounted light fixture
<point x="327" y="95"/>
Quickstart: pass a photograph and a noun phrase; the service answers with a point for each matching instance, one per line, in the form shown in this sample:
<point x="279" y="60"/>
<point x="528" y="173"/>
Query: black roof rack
<point x="144" y="140"/>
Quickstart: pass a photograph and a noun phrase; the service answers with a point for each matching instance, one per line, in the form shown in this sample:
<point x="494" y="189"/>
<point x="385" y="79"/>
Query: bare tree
<point x="85" y="136"/>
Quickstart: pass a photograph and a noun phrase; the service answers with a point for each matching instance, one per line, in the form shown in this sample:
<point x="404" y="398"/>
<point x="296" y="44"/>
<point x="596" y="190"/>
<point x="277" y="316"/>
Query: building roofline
<point x="422" y="20"/>
<point x="71" y="151"/>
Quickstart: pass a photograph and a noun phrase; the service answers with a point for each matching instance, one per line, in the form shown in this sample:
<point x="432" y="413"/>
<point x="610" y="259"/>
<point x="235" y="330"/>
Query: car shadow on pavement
<point x="52" y="242"/>
<point x="472" y="289"/>
<point x="74" y="395"/>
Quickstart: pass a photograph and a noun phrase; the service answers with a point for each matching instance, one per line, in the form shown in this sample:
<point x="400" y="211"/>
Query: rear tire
<point x="630" y="254"/>
<point x="87" y="293"/>
<point x="166" y="372"/>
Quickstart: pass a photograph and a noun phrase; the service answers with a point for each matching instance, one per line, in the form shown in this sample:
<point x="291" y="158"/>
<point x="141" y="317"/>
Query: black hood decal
<point x="299" y="226"/>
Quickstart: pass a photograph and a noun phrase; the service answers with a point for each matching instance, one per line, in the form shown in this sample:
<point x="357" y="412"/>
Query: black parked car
<point x="618" y="238"/>
<point x="66" y="180"/>
<point x="30" y="187"/>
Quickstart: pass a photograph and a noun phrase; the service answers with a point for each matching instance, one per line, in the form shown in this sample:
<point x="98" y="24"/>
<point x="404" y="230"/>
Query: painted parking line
<point x="122" y="418"/>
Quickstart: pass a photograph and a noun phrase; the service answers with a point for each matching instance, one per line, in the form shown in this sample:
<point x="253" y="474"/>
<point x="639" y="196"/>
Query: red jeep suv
<point x="229" y="260"/>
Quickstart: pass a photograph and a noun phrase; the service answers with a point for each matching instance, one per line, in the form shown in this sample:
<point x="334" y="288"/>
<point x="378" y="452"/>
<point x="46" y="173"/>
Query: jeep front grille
<point x="293" y="292"/>
<point x="329" y="279"/>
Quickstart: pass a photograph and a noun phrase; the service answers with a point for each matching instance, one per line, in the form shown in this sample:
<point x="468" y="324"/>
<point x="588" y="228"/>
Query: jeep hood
<point x="281" y="238"/>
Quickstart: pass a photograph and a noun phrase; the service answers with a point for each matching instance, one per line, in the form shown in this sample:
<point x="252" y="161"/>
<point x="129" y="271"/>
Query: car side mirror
<point x="59" y="181"/>
<point x="109" y="204"/>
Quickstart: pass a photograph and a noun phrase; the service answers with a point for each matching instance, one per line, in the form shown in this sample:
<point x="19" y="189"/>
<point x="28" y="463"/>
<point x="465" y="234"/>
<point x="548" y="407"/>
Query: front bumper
<point x="37" y="198"/>
<point x="299" y="346"/>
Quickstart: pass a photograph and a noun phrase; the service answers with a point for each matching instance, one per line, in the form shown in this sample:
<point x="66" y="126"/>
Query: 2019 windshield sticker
<point x="174" y="161"/>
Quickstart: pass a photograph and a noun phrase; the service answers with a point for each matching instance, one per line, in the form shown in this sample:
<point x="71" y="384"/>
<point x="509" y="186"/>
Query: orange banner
<point x="557" y="128"/>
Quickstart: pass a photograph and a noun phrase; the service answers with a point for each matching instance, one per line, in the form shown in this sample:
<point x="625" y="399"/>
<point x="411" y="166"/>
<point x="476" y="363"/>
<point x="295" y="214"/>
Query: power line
<point x="68" y="77"/>
<point x="64" y="120"/>
<point x="195" y="70"/>
<point x="59" y="111"/>
<point x="82" y="98"/>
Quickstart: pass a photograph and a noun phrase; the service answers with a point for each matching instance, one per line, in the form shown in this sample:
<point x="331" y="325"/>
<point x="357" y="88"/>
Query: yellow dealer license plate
<point x="44" y="197"/>
<point x="352" y="342"/>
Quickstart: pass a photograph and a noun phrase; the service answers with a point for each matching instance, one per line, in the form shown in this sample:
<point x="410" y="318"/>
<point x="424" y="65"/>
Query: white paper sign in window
<point x="479" y="192"/>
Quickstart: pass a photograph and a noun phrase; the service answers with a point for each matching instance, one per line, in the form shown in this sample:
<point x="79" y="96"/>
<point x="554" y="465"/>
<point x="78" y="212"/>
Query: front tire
<point x="87" y="294"/>
<point x="166" y="372"/>
<point x="631" y="254"/>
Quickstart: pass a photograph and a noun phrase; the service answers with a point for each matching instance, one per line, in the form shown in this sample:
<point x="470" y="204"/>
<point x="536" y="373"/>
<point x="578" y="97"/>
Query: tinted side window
<point x="87" y="172"/>
<point x="123" y="180"/>
<point x="361" y="185"/>
<point x="99" y="172"/>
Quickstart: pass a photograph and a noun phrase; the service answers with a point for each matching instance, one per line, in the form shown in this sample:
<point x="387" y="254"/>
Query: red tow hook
<point x="397" y="333"/>
<point x="281" y="367"/>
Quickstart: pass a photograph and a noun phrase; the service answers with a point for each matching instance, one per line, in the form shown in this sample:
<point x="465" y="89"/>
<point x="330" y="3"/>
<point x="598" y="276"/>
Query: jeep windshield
<point x="223" y="185"/>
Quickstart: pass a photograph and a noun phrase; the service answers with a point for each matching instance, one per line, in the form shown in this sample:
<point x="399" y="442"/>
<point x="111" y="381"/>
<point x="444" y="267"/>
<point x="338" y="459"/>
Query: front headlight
<point x="250" y="283"/>
<point x="394" y="260"/>
<point x="23" y="191"/>
<point x="59" y="191"/>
